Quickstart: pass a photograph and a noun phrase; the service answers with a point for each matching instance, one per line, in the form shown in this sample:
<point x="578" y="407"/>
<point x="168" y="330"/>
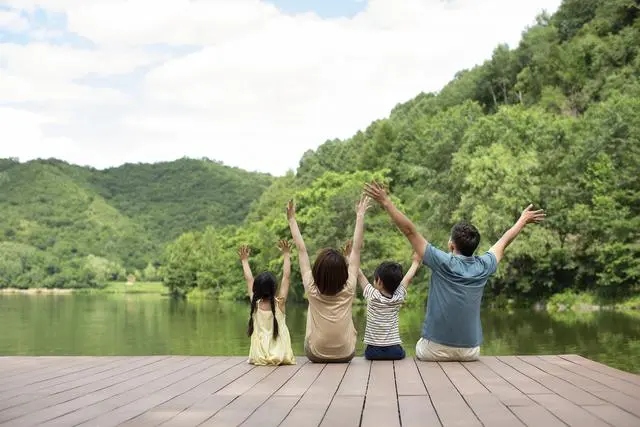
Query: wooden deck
<point x="509" y="391"/>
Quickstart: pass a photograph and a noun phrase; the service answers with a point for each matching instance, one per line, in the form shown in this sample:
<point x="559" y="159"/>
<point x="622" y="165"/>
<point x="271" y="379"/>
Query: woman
<point x="330" y="286"/>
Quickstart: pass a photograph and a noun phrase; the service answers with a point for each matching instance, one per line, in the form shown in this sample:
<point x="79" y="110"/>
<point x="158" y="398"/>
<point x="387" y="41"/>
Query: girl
<point x="270" y="340"/>
<point x="330" y="286"/>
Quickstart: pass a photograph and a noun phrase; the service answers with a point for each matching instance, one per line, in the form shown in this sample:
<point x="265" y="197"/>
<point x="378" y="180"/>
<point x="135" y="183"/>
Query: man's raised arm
<point x="528" y="216"/>
<point x="377" y="192"/>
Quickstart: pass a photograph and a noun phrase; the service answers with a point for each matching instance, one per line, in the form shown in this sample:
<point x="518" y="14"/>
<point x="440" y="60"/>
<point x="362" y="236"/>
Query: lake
<point x="152" y="325"/>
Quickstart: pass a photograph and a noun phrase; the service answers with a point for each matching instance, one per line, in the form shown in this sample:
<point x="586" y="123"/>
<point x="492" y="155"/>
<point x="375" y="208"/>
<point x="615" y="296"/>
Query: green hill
<point x="554" y="122"/>
<point x="76" y="218"/>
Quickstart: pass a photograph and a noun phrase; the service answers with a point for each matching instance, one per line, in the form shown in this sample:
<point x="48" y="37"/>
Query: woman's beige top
<point x="330" y="331"/>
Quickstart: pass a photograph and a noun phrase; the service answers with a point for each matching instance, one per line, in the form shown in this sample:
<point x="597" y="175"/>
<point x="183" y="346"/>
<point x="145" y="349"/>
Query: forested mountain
<point x="554" y="122"/>
<point x="65" y="225"/>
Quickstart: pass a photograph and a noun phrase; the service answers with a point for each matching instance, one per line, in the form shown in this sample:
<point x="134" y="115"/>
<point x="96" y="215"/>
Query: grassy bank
<point x="585" y="301"/>
<point x="149" y="288"/>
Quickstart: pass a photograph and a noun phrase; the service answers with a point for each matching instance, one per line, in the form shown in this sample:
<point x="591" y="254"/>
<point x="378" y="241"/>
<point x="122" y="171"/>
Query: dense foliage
<point x="554" y="122"/>
<point x="69" y="226"/>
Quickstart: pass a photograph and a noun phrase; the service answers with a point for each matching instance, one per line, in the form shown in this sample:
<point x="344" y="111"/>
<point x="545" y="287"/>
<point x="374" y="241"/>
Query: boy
<point x="452" y="329"/>
<point x="384" y="299"/>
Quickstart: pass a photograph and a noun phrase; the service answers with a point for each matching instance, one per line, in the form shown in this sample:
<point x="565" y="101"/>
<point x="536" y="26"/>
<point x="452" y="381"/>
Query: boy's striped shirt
<point x="382" y="316"/>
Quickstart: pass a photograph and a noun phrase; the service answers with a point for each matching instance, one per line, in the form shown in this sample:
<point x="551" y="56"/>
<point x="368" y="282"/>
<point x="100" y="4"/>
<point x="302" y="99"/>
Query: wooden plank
<point x="311" y="408"/>
<point x="599" y="367"/>
<point x="230" y="370"/>
<point x="272" y="412"/>
<point x="76" y="385"/>
<point x="451" y="408"/>
<point x="462" y="379"/>
<point x="52" y="372"/>
<point x="344" y="411"/>
<point x="498" y="386"/>
<point x="491" y="411"/>
<point x="579" y="381"/>
<point x="39" y="408"/>
<point x="11" y="366"/>
<point x="136" y="404"/>
<point x="381" y="404"/>
<point x="215" y="378"/>
<point x="553" y="383"/>
<point x="408" y="379"/>
<point x="615" y="383"/>
<point x="93" y="405"/>
<point x="241" y="408"/>
<point x="614" y="415"/>
<point x="573" y="415"/>
<point x="201" y="411"/>
<point x="520" y="381"/>
<point x="201" y="402"/>
<point x="356" y="378"/>
<point x="209" y="407"/>
<point x="622" y="400"/>
<point x="536" y="416"/>
<point x="417" y="411"/>
<point x="303" y="379"/>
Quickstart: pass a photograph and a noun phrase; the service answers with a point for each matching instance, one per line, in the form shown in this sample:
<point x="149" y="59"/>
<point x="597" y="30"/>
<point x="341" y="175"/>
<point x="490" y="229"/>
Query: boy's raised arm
<point x="415" y="265"/>
<point x="377" y="192"/>
<point x="284" y="246"/>
<point x="244" y="253"/>
<point x="528" y="216"/>
<point x="303" y="256"/>
<point x="362" y="280"/>
<point x="358" y="236"/>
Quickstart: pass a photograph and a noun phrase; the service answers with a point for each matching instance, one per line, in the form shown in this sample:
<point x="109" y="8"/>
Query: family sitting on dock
<point x="451" y="330"/>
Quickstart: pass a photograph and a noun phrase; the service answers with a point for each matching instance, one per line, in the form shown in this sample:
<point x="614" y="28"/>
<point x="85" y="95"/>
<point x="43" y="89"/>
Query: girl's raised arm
<point x="303" y="256"/>
<point x="358" y="237"/>
<point x="284" y="246"/>
<point x="244" y="253"/>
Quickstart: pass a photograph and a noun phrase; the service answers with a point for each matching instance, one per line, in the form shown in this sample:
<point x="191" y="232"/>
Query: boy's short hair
<point x="465" y="238"/>
<point x="390" y="274"/>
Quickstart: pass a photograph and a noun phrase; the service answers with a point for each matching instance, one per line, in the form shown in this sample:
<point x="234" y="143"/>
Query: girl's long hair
<point x="264" y="286"/>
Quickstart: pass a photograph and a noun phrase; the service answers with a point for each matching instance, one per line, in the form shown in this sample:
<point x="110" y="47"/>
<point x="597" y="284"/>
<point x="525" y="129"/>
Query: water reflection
<point x="143" y="325"/>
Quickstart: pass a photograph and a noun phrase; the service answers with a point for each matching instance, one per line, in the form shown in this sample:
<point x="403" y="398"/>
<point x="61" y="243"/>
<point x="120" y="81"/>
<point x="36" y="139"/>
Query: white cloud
<point x="12" y="21"/>
<point x="262" y="86"/>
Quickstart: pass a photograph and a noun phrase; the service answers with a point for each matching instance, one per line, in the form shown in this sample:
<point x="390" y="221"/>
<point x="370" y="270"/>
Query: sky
<point x="251" y="83"/>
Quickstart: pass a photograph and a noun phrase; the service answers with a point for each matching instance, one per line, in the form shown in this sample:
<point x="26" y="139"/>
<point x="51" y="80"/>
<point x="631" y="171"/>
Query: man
<point x="452" y="329"/>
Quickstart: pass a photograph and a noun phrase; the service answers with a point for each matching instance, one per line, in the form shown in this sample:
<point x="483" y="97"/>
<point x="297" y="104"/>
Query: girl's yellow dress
<point x="264" y="349"/>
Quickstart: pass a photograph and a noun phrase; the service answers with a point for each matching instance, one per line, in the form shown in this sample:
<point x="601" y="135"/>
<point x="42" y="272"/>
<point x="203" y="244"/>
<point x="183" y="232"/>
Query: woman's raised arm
<point x="303" y="256"/>
<point x="358" y="237"/>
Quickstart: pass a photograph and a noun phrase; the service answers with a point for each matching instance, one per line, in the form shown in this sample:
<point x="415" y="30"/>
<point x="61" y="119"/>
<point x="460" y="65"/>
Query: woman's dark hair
<point x="330" y="271"/>
<point x="264" y="286"/>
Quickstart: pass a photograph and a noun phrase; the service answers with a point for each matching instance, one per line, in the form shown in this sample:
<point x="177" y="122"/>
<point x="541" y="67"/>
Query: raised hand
<point x="363" y="205"/>
<point x="529" y="216"/>
<point x="244" y="252"/>
<point x="291" y="209"/>
<point x="346" y="250"/>
<point x="377" y="192"/>
<point x="284" y="246"/>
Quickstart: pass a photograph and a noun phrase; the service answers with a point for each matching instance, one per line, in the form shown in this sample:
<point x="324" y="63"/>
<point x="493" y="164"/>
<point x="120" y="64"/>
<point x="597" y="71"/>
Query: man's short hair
<point x="390" y="274"/>
<point x="465" y="238"/>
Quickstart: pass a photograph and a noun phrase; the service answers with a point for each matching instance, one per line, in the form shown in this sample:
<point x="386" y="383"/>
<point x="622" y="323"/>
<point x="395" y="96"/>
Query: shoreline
<point x="630" y="305"/>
